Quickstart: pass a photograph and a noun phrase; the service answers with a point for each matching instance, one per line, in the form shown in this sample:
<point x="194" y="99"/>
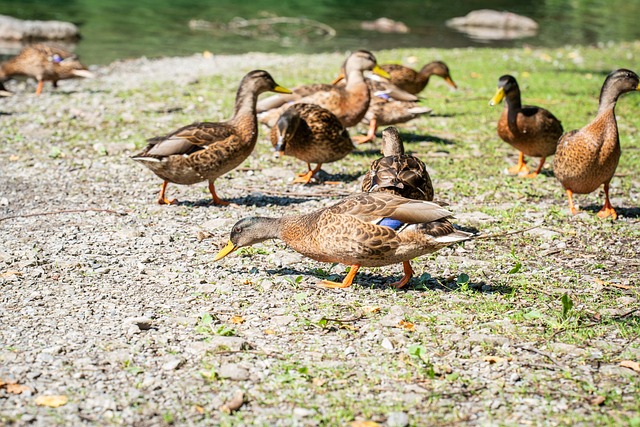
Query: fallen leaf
<point x="407" y="325"/>
<point x="348" y="327"/>
<point x="207" y="54"/>
<point x="364" y="424"/>
<point x="14" y="158"/>
<point x="496" y="359"/>
<point x="237" y="320"/>
<point x="599" y="281"/>
<point x="199" y="409"/>
<point x="597" y="400"/>
<point x="234" y="403"/>
<point x="269" y="332"/>
<point x="631" y="365"/>
<point x="371" y="309"/>
<point x="10" y="273"/>
<point x="318" y="382"/>
<point x="52" y="401"/>
<point x="16" y="388"/>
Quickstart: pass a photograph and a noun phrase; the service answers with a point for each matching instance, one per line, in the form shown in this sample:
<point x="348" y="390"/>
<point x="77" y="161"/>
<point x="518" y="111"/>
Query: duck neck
<point x="244" y="115"/>
<point x="513" y="101"/>
<point x="355" y="79"/>
<point x="608" y="99"/>
<point x="246" y="100"/>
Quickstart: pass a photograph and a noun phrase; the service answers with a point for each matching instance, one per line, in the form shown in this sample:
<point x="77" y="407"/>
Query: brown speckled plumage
<point x="398" y="173"/>
<point x="349" y="103"/>
<point x="588" y="157"/>
<point x="349" y="232"/>
<point x="414" y="81"/>
<point x="532" y="130"/>
<point x="389" y="106"/>
<point x="43" y="63"/>
<point x="205" y="151"/>
<point x="312" y="134"/>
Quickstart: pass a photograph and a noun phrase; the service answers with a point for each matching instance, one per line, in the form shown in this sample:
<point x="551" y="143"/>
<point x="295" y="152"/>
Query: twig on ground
<point x="541" y="353"/>
<point x="291" y="193"/>
<point x="500" y="235"/>
<point x="4" y="218"/>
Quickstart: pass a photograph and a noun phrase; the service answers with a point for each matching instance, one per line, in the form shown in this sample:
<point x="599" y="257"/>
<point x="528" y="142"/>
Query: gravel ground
<point x="119" y="307"/>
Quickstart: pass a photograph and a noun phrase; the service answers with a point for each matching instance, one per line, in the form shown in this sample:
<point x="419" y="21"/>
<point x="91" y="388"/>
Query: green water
<point x="116" y="29"/>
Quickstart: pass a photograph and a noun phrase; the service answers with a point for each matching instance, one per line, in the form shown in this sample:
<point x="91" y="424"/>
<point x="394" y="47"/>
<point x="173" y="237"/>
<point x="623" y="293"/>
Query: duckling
<point x="532" y="130"/>
<point x="587" y="158"/>
<point x="349" y="103"/>
<point x="364" y="230"/>
<point x="44" y="63"/>
<point x="397" y="172"/>
<point x="205" y="151"/>
<point x="312" y="134"/>
<point x="414" y="81"/>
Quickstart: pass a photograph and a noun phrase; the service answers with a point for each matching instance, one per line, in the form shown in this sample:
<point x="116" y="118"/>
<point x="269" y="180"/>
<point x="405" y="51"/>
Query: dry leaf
<point x="269" y="332"/>
<point x="496" y="359"/>
<point x="16" y="388"/>
<point x="199" y="409"/>
<point x="364" y="424"/>
<point x="407" y="325"/>
<point x="52" y="401"/>
<point x="14" y="158"/>
<point x="348" y="327"/>
<point x="318" y="382"/>
<point x="237" y="320"/>
<point x="234" y="403"/>
<point x="207" y="54"/>
<point x="597" y="400"/>
<point x="631" y="365"/>
<point x="371" y="309"/>
<point x="10" y="273"/>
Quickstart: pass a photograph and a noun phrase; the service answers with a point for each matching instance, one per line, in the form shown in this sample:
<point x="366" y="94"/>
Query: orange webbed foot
<point x="606" y="212"/>
<point x="165" y="201"/>
<point x="361" y="139"/>
<point x="348" y="280"/>
<point x="408" y="274"/>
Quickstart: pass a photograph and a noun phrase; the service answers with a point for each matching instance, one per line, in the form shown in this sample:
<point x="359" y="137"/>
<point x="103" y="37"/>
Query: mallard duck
<point x="364" y="230"/>
<point x="389" y="105"/>
<point x="588" y="157"/>
<point x="396" y="172"/>
<point x="310" y="133"/>
<point x="205" y="151"/>
<point x="44" y="63"/>
<point x="532" y="130"/>
<point x="349" y="102"/>
<point x="414" y="81"/>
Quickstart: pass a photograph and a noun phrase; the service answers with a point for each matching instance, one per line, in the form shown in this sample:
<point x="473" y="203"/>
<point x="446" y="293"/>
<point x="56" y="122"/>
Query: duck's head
<point x="285" y="128"/>
<point x="358" y="61"/>
<point x="620" y="81"/>
<point x="247" y="232"/>
<point x="391" y="142"/>
<point x="506" y="84"/>
<point x="439" y="69"/>
<point x="261" y="81"/>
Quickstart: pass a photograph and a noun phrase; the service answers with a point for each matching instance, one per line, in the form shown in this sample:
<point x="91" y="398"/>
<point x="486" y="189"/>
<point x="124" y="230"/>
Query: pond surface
<point x="116" y="29"/>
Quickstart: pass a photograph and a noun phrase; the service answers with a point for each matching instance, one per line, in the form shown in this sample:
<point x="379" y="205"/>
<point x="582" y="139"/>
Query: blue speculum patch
<point x="394" y="224"/>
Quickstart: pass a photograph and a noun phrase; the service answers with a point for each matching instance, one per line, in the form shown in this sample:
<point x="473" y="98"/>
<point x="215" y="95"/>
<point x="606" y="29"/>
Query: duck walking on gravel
<point x="310" y="133"/>
<point x="364" y="230"/>
<point x="205" y="151"/>
<point x="587" y="158"/>
<point x="532" y="130"/>
<point x="44" y="63"/>
<point x="397" y="172"/>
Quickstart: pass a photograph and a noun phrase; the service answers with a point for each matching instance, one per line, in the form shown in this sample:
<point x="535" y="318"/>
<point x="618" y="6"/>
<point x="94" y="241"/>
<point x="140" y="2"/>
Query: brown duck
<point x="312" y="134"/>
<point x="587" y="158"/>
<point x="414" y="81"/>
<point x="398" y="173"/>
<point x="364" y="230"/>
<point x="205" y="151"/>
<point x="532" y="130"/>
<point x="43" y="63"/>
<point x="349" y="102"/>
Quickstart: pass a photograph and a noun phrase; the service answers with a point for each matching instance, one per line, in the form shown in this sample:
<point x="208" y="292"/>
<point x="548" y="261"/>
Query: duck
<point x="398" y="173"/>
<point x="389" y="105"/>
<point x="532" y="130"/>
<point x="588" y="157"/>
<point x="312" y="134"/>
<point x="44" y="63"/>
<point x="204" y="151"/>
<point x="362" y="230"/>
<point x="349" y="103"/>
<point x="413" y="81"/>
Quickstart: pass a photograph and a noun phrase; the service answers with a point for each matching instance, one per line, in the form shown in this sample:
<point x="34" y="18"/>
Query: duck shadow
<point x="323" y="176"/>
<point x="422" y="283"/>
<point x="622" y="212"/>
<point x="256" y="199"/>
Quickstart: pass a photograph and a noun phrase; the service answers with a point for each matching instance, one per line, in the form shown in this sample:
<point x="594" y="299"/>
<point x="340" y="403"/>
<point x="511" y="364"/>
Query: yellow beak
<point x="338" y="79"/>
<point x="382" y="73"/>
<point x="450" y="82"/>
<point x="498" y="97"/>
<point x="225" y="251"/>
<point x="281" y="89"/>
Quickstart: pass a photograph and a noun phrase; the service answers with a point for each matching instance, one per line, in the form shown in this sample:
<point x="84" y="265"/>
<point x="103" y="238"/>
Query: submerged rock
<point x="17" y="29"/>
